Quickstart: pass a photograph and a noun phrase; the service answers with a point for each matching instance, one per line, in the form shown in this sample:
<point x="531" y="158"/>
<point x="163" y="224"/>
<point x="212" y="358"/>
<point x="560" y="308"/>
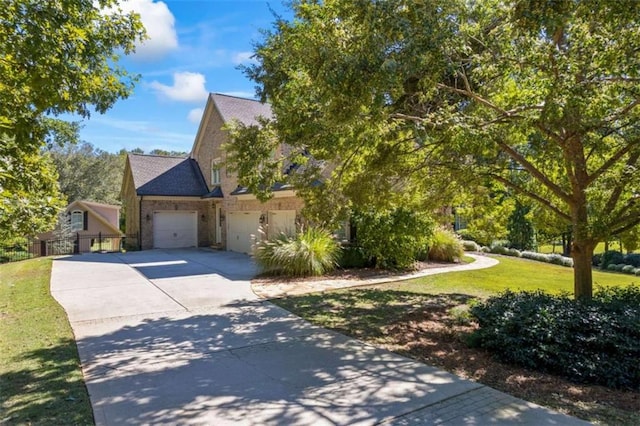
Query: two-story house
<point x="187" y="202"/>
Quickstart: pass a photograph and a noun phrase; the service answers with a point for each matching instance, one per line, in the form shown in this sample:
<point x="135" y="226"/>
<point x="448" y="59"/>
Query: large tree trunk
<point x="582" y="247"/>
<point x="582" y="254"/>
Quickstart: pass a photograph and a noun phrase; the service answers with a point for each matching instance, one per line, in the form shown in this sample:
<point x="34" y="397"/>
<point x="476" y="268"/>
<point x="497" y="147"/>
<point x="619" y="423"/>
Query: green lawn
<point x="365" y="309"/>
<point x="511" y="274"/>
<point x="40" y="377"/>
<point x="549" y="248"/>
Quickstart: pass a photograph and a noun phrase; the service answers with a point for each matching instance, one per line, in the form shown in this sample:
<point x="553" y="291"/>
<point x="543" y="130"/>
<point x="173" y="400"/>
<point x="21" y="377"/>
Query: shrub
<point x="498" y="248"/>
<point x="554" y="258"/>
<point x="469" y="245"/>
<point x="392" y="239"/>
<point x="628" y="269"/>
<point x="595" y="341"/>
<point x="311" y="252"/>
<point x="353" y="256"/>
<point x="611" y="257"/>
<point x="632" y="259"/>
<point x="466" y="235"/>
<point x="638" y="272"/>
<point x="514" y="252"/>
<point x="596" y="260"/>
<point x="485" y="249"/>
<point x="445" y="246"/>
<point x="558" y="259"/>
<point x="540" y="257"/>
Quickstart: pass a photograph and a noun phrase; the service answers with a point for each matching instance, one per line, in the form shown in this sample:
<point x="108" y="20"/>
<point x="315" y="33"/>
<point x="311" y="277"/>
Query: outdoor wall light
<point x="203" y="217"/>
<point x="148" y="218"/>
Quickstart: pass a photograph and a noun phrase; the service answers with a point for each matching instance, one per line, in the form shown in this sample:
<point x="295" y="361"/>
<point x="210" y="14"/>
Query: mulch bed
<point x="434" y="337"/>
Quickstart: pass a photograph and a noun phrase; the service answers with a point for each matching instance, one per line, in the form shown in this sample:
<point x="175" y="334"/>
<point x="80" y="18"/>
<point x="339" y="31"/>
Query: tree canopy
<point x="541" y="96"/>
<point x="88" y="173"/>
<point x="56" y="57"/>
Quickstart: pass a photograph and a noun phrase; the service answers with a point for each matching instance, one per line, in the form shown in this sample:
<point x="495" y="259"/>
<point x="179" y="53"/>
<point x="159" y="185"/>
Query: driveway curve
<point x="178" y="337"/>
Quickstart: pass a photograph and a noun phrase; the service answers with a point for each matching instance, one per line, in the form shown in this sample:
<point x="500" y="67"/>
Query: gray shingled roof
<point x="243" y="110"/>
<point x="169" y="176"/>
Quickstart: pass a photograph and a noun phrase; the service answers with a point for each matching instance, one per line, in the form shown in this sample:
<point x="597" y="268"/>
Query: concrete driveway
<point x="177" y="337"/>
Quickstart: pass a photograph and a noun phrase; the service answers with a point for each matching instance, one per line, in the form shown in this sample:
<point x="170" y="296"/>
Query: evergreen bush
<point x="595" y="341"/>
<point x="392" y="240"/>
<point x="632" y="259"/>
<point x="353" y="256"/>
<point x="611" y="257"/>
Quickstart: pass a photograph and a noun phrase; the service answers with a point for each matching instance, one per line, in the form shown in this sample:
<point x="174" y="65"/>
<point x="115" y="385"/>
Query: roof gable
<point x="244" y="110"/>
<point x="168" y="176"/>
<point x="97" y="210"/>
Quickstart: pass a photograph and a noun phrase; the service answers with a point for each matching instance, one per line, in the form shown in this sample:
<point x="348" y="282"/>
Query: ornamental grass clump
<point x="310" y="252"/>
<point x="445" y="246"/>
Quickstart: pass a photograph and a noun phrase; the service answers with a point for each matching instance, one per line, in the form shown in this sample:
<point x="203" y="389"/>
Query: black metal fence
<point x="78" y="243"/>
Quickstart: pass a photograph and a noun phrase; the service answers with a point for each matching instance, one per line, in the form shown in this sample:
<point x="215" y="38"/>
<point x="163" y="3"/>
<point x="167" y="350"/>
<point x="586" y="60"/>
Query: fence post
<point x="76" y="244"/>
<point x="43" y="248"/>
<point x="99" y="240"/>
<point x="139" y="240"/>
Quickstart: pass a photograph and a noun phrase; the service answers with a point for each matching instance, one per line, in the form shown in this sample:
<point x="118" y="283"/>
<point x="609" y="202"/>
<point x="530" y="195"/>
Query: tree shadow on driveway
<point x="255" y="364"/>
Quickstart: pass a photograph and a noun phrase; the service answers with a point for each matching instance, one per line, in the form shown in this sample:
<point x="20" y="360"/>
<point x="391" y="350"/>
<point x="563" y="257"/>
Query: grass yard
<point x="511" y="274"/>
<point x="613" y="245"/>
<point x="424" y="319"/>
<point x="40" y="377"/>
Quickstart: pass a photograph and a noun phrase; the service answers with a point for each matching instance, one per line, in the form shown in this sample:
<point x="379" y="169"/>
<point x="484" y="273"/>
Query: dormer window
<point x="215" y="172"/>
<point x="77" y="220"/>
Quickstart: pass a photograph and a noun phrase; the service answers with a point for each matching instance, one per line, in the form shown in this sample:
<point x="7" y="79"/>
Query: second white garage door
<point x="175" y="229"/>
<point x="241" y="229"/>
<point x="282" y="221"/>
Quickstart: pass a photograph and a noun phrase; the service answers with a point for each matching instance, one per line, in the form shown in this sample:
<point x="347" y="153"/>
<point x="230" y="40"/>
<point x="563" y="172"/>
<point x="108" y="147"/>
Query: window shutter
<point x="85" y="221"/>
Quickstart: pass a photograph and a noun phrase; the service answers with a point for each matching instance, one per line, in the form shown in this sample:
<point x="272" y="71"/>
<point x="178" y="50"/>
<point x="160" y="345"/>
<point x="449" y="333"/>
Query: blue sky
<point x="195" y="47"/>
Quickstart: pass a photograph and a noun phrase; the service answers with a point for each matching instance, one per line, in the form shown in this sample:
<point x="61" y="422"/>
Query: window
<point x="215" y="172"/>
<point x="77" y="220"/>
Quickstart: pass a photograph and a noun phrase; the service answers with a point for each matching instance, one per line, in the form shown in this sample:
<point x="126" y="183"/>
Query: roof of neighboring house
<point x="244" y="110"/>
<point x="168" y="176"/>
<point x="99" y="205"/>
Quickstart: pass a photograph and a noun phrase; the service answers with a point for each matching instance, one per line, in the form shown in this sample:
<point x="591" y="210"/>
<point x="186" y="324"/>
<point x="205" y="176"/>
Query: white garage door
<point x="282" y="221"/>
<point x="174" y="229"/>
<point x="241" y="229"/>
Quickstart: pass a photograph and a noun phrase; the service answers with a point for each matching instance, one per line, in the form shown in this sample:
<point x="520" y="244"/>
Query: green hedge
<point x="594" y="341"/>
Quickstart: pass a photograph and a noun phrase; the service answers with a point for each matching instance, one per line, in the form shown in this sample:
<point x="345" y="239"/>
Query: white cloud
<point x="195" y="115"/>
<point x="160" y="25"/>
<point x="243" y="58"/>
<point x="187" y="87"/>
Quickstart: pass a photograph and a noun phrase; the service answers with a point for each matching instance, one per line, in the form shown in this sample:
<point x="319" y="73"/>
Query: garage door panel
<point x="242" y="228"/>
<point x="175" y="229"/>
<point x="282" y="221"/>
